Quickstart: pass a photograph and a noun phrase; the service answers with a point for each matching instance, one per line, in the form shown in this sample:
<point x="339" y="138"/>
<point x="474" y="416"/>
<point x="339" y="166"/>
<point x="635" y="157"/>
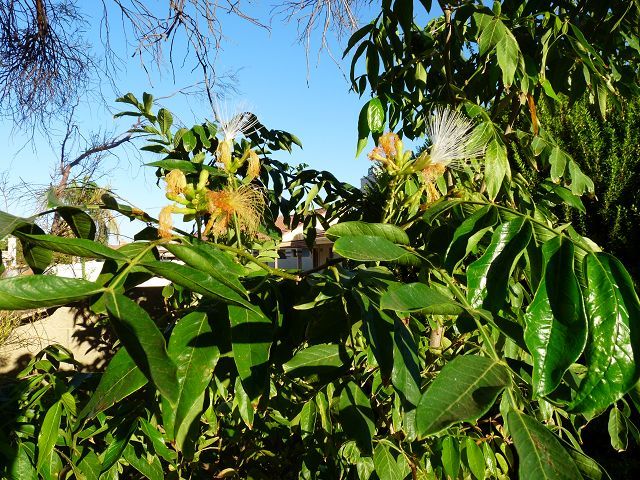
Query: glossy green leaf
<point x="308" y="417"/>
<point x="38" y="291"/>
<point x="49" y="433"/>
<point x="508" y="55"/>
<point x="366" y="248"/>
<point x="8" y="223"/>
<point x="245" y="406"/>
<point x="194" y="350"/>
<point x="558" y="160"/>
<point x="188" y="433"/>
<point x="468" y="234"/>
<point x="613" y="314"/>
<point x="491" y="33"/>
<point x="356" y="416"/>
<point x="189" y="140"/>
<point x="363" y="129"/>
<point x="385" y="465"/>
<point x="618" y="430"/>
<point x="316" y="359"/>
<point x="375" y="114"/>
<point x="175" y="164"/>
<point x="405" y="374"/>
<point x="474" y="458"/>
<point x="556" y="327"/>
<point x="22" y="467"/>
<point x="464" y="390"/>
<point x="197" y="281"/>
<point x="384" y="230"/>
<point x="541" y="456"/>
<point x="451" y="457"/>
<point x="37" y="257"/>
<point x="116" y="447"/>
<point x="157" y="440"/>
<point x="496" y="167"/>
<point x="90" y="466"/>
<point x="165" y="120"/>
<point x="208" y="259"/>
<point x="147" y="465"/>
<point x="144" y="342"/>
<point x="79" y="221"/>
<point x="251" y="336"/>
<point x="438" y="208"/>
<point x="418" y="297"/>
<point x="120" y="379"/>
<point x="77" y="247"/>
<point x="488" y="277"/>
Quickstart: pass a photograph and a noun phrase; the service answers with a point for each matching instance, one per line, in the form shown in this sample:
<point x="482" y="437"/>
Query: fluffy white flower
<point x="452" y="141"/>
<point x="231" y="123"/>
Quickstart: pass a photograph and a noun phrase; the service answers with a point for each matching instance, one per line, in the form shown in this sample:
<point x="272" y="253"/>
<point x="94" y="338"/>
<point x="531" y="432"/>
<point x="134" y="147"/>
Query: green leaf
<point x="464" y="390"/>
<point x="613" y="314"/>
<point x="558" y="160"/>
<point x="38" y="291"/>
<point x="451" y="457"/>
<point x="439" y="207"/>
<point x="308" y="417"/>
<point x="357" y="36"/>
<point x="383" y="230"/>
<point x="375" y="114"/>
<point x="22" y="467"/>
<point x="366" y="248"/>
<point x="174" y="164"/>
<point x="193" y="348"/>
<point x="315" y="359"/>
<point x="556" y="327"/>
<point x="475" y="458"/>
<point x="165" y="120"/>
<point x="580" y="183"/>
<point x="385" y="465"/>
<point x="251" y="337"/>
<point x="157" y="440"/>
<point x="468" y="234"/>
<point x="146" y="464"/>
<point x="490" y="35"/>
<point x="8" y="223"/>
<point x="90" y="465"/>
<point x="363" y="129"/>
<point x="80" y="222"/>
<point x="121" y="437"/>
<point x="120" y="379"/>
<point x="37" y="257"/>
<point x="405" y="375"/>
<point x="245" y="406"/>
<point x="210" y="260"/>
<point x="144" y="342"/>
<point x="496" y="167"/>
<point x="508" y="54"/>
<point x="77" y="247"/>
<point x="618" y="430"/>
<point x="418" y="297"/>
<point x="49" y="433"/>
<point x="488" y="277"/>
<point x="189" y="140"/>
<point x="540" y="453"/>
<point x="356" y="416"/>
<point x="197" y="281"/>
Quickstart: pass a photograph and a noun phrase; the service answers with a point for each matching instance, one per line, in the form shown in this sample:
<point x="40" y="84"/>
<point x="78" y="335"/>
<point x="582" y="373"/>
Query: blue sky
<point x="273" y="80"/>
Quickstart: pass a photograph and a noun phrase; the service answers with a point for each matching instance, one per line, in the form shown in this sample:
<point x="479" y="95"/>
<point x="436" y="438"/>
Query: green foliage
<point x="465" y="332"/>
<point x="608" y="150"/>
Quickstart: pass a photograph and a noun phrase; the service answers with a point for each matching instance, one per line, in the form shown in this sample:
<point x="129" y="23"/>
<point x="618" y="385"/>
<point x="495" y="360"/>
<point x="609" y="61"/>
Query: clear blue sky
<point x="273" y="80"/>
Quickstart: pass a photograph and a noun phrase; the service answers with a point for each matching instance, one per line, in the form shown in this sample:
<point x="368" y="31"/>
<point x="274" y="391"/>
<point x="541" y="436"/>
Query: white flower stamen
<point x="452" y="140"/>
<point x="233" y="125"/>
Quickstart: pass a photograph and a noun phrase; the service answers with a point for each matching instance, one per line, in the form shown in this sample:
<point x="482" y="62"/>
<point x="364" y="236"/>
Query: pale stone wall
<point x="63" y="328"/>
